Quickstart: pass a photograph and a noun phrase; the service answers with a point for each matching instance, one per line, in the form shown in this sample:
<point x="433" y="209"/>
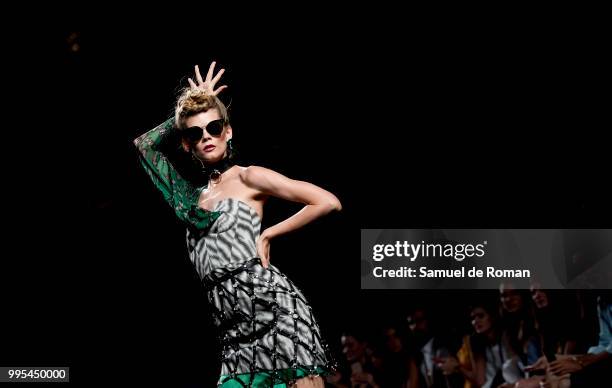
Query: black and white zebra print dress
<point x="269" y="335"/>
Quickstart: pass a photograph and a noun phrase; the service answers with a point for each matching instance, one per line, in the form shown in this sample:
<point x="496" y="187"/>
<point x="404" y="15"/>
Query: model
<point x="268" y="333"/>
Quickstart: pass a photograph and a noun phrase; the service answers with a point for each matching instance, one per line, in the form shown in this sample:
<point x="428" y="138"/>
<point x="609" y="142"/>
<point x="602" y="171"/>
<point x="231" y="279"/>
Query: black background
<point x="410" y="125"/>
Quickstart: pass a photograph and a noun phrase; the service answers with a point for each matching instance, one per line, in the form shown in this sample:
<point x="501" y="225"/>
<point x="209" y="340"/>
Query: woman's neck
<point x="221" y="165"/>
<point x="214" y="171"/>
<point x="491" y="336"/>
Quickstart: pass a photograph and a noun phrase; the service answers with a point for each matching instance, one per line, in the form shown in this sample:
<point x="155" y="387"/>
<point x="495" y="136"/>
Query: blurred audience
<point x="433" y="347"/>
<point x="521" y="339"/>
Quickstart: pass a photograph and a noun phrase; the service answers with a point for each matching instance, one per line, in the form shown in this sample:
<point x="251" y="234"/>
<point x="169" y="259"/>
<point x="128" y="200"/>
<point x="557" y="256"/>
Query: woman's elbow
<point x="138" y="142"/>
<point x="337" y="205"/>
<point x="334" y="204"/>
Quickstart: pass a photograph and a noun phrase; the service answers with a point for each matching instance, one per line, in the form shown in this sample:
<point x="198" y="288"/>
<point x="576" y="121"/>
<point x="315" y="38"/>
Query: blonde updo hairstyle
<point x="193" y="101"/>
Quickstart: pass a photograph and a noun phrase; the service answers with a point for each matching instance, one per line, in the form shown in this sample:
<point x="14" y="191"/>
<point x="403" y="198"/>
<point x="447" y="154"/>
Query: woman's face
<point x="352" y="348"/>
<point x="511" y="300"/>
<point x="393" y="341"/>
<point x="481" y="320"/>
<point x="417" y="322"/>
<point x="209" y="149"/>
<point x="539" y="297"/>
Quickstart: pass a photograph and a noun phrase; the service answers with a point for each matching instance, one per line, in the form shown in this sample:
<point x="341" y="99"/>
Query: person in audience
<point x="485" y="360"/>
<point x="593" y="369"/>
<point x="361" y="367"/>
<point x="432" y="349"/>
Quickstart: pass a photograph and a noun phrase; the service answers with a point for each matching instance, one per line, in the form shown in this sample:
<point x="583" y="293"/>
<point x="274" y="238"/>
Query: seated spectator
<point x="360" y="369"/>
<point x="431" y="347"/>
<point x="551" y="308"/>
<point x="485" y="359"/>
<point x="398" y="367"/>
<point x="519" y="324"/>
<point x="587" y="370"/>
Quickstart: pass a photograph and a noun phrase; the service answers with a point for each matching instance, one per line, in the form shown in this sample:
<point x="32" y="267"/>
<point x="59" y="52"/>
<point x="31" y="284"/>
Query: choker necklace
<point x="215" y="170"/>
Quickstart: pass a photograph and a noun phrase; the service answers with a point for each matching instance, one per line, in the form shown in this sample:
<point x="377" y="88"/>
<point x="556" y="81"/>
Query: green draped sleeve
<point x="181" y="194"/>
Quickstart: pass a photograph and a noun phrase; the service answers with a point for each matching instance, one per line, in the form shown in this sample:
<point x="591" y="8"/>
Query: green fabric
<point x="178" y="192"/>
<point x="263" y="379"/>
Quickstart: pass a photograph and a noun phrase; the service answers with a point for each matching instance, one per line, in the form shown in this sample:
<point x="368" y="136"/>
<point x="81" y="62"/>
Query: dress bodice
<point x="229" y="241"/>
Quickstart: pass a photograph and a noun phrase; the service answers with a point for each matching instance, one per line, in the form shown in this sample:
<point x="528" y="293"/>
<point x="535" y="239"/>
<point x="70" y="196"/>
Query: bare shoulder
<point x="255" y="173"/>
<point x="269" y="182"/>
<point x="259" y="177"/>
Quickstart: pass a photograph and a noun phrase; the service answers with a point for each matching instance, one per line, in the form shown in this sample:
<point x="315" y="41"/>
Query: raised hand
<point x="208" y="84"/>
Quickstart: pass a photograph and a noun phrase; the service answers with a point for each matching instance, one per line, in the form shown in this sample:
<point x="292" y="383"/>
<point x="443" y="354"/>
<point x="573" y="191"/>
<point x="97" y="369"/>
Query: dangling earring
<point x="230" y="147"/>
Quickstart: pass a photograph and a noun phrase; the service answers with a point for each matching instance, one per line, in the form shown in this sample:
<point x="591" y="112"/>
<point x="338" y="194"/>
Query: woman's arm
<point x="179" y="193"/>
<point x="450" y="365"/>
<point x="318" y="202"/>
<point x="153" y="144"/>
<point x="471" y="366"/>
<point x="154" y="160"/>
<point x="154" y="147"/>
<point x="413" y="374"/>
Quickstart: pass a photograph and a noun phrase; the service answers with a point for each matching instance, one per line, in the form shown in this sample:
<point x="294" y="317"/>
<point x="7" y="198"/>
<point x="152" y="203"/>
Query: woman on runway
<point x="268" y="333"/>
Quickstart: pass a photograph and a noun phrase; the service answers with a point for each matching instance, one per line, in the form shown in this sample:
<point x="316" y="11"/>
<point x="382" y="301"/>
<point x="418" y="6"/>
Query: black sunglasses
<point x="195" y="133"/>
